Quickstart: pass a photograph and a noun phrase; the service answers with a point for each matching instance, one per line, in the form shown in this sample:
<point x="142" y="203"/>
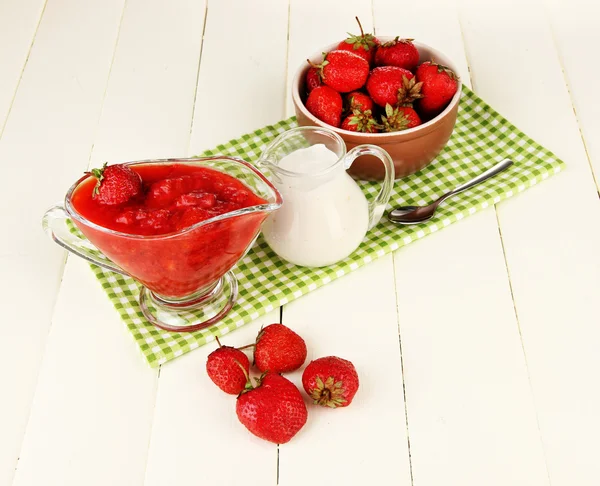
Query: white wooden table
<point x="479" y="356"/>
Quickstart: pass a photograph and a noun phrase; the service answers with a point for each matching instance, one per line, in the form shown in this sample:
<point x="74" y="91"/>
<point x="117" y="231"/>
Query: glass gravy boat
<point x="187" y="270"/>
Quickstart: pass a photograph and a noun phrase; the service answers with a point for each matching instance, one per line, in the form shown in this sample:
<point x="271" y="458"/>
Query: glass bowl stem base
<point x="198" y="312"/>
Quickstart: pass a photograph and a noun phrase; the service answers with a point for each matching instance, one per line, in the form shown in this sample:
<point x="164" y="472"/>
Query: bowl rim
<point x="418" y="131"/>
<point x="267" y="207"/>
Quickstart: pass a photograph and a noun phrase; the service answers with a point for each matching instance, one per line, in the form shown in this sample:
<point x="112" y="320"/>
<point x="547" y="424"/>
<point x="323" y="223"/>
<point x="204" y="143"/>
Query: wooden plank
<point x="95" y="398"/>
<point x="196" y="436"/>
<point x="466" y="381"/>
<point x="48" y="136"/>
<point x="363" y="332"/>
<point x="18" y="23"/>
<point x="103" y="406"/>
<point x="55" y="112"/>
<point x="241" y="84"/>
<point x="471" y="417"/>
<point x="551" y="249"/>
<point x="149" y="99"/>
<point x="434" y="23"/>
<point x="575" y="32"/>
<point x="25" y="327"/>
<point x="365" y="443"/>
<point x="196" y="432"/>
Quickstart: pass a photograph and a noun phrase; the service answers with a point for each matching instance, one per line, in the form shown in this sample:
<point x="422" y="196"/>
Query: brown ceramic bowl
<point x="410" y="149"/>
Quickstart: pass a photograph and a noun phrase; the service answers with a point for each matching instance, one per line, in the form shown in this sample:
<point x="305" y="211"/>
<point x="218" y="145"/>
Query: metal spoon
<point x="419" y="214"/>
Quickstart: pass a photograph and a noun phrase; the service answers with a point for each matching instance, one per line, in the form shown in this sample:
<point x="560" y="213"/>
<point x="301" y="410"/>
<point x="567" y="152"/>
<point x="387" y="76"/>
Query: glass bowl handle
<point x="55" y="225"/>
<point x="378" y="205"/>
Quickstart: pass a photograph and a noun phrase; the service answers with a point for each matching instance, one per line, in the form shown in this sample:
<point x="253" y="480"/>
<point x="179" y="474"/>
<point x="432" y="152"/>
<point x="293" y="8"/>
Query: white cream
<point x="323" y="219"/>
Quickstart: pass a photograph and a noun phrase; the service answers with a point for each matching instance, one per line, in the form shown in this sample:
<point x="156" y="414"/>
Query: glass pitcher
<point x="325" y="215"/>
<point x="188" y="270"/>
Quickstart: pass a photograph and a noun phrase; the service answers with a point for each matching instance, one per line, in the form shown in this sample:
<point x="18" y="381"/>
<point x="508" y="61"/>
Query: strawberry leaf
<point x="389" y="111"/>
<point x="99" y="175"/>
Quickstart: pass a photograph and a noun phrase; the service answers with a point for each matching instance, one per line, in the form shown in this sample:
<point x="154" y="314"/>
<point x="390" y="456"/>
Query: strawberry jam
<point x="164" y="252"/>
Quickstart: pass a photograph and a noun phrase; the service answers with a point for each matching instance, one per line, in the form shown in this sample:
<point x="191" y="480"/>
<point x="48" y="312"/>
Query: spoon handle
<point x="484" y="176"/>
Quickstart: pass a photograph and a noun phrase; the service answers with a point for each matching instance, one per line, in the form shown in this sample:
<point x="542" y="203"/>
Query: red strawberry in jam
<point x="180" y="265"/>
<point x="166" y="191"/>
<point x="155" y="219"/>
<point x="190" y="217"/>
<point x="116" y="184"/>
<point x="232" y="194"/>
<point x="204" y="200"/>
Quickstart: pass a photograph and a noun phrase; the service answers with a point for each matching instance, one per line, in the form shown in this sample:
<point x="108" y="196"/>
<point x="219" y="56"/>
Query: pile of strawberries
<point x="366" y="86"/>
<point x="273" y="409"/>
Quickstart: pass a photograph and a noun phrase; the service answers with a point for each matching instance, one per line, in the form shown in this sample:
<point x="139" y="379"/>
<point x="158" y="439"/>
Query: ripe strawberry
<point x="326" y="104"/>
<point x="392" y="85"/>
<point x="330" y="382"/>
<point x="398" y="52"/>
<point x="274" y="410"/>
<point x="278" y="349"/>
<point x="400" y="118"/>
<point x="313" y="79"/>
<point x="228" y="368"/>
<point x="363" y="45"/>
<point x="146" y="218"/>
<point x="204" y="200"/>
<point x="358" y="101"/>
<point x="166" y="191"/>
<point x="189" y="217"/>
<point x="361" y="121"/>
<point x="343" y="71"/>
<point x="439" y="84"/>
<point x="116" y="184"/>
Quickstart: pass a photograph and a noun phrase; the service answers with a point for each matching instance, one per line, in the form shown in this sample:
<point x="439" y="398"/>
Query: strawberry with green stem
<point x="357" y="100"/>
<point x="278" y="349"/>
<point x="330" y="381"/>
<point x="228" y="368"/>
<point x="399" y="118"/>
<point x="361" y="121"/>
<point x="116" y="184"/>
<point x="439" y="85"/>
<point x="363" y="45"/>
<point x="313" y="79"/>
<point x="272" y="410"/>
<point x="343" y="71"/>
<point x="393" y="85"/>
<point x="398" y="52"/>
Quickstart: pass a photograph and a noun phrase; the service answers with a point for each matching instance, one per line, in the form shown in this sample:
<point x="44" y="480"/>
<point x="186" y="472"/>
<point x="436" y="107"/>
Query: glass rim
<point x="268" y="208"/>
<point x="291" y="173"/>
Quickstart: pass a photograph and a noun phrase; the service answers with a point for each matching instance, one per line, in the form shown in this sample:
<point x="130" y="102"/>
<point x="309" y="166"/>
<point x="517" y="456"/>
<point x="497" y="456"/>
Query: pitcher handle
<point x="378" y="205"/>
<point x="54" y="223"/>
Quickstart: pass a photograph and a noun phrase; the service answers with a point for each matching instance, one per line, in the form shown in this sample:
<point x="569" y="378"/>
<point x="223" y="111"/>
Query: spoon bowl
<point x="420" y="214"/>
<point x="411" y="214"/>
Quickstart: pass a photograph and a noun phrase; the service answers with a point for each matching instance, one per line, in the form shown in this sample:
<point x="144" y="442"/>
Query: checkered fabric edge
<point x="481" y="138"/>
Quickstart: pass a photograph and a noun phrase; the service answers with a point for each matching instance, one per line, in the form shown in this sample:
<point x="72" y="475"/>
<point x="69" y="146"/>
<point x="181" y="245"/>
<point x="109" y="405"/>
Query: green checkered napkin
<point x="481" y="138"/>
